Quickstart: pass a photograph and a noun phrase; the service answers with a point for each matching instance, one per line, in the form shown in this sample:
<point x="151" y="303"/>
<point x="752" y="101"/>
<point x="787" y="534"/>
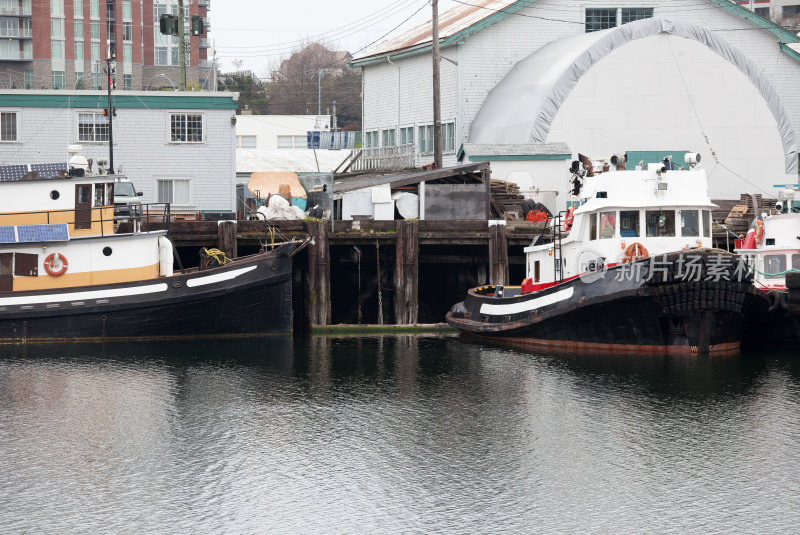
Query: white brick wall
<point x="141" y="148"/>
<point x="486" y="57"/>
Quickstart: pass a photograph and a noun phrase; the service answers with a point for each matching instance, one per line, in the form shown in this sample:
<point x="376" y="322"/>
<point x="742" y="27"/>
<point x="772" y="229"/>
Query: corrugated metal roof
<point x="516" y="149"/>
<point x="295" y="161"/>
<point x="451" y="22"/>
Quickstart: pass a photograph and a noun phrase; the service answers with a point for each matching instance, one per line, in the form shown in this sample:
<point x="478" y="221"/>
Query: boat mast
<point x="110" y="114"/>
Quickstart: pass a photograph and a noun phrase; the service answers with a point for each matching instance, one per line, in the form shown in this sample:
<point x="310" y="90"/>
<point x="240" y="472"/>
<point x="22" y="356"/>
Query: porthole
<point x="55" y="195"/>
<point x="107" y="251"/>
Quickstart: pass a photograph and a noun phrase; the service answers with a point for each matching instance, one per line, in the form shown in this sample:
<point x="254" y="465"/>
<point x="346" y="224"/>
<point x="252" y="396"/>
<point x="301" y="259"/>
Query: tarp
<point x="266" y="183"/>
<point x="522" y="107"/>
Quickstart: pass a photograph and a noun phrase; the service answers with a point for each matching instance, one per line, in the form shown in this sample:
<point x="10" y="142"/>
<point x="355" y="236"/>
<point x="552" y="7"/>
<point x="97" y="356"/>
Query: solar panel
<point x="34" y="233"/>
<point x="12" y="173"/>
<point x="49" y="170"/>
<point x="7" y="234"/>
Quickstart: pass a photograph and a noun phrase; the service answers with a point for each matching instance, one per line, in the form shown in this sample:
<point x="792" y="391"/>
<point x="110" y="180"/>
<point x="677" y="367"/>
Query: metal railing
<point x="394" y="158"/>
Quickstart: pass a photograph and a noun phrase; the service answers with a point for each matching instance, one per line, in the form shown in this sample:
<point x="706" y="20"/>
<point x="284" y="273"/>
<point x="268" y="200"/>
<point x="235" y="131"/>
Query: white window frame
<point x="250" y="138"/>
<point x="16" y="113"/>
<point x="618" y="22"/>
<point x="427" y="138"/>
<point x="404" y="132"/>
<point x="97" y="114"/>
<point x="190" y="194"/>
<point x="172" y="114"/>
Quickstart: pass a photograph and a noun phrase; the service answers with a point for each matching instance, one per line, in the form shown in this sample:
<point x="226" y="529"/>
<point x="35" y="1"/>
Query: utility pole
<point x="181" y="48"/>
<point x="437" y="111"/>
<point x="319" y="91"/>
<point x="110" y="75"/>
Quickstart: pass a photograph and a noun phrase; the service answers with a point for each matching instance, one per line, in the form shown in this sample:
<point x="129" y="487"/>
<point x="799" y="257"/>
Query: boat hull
<point x="661" y="314"/>
<point x="248" y="297"/>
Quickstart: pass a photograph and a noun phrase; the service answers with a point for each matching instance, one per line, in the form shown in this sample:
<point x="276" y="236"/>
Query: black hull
<point x="606" y="314"/>
<point x="249" y="297"/>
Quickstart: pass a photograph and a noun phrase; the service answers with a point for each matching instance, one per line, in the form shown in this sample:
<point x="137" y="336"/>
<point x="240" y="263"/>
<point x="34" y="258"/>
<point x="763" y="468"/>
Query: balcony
<point x="16" y="56"/>
<point x="15" y="11"/>
<point x="204" y="43"/>
<point x="204" y="3"/>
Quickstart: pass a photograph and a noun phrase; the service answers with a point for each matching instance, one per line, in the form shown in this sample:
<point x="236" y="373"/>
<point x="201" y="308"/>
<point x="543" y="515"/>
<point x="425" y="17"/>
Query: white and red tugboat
<point x="630" y="267"/>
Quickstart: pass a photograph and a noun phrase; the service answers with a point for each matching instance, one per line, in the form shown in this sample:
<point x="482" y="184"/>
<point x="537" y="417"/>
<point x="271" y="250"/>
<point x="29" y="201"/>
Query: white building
<point x="271" y="132"/>
<point x="698" y="75"/>
<point x="175" y="147"/>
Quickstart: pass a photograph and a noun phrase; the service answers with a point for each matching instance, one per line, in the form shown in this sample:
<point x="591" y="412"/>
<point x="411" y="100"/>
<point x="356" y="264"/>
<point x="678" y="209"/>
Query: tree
<point x="252" y="95"/>
<point x="297" y="87"/>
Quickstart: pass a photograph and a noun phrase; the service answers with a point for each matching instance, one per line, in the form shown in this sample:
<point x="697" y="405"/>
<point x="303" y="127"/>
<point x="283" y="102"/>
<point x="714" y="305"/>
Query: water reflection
<point x="393" y="433"/>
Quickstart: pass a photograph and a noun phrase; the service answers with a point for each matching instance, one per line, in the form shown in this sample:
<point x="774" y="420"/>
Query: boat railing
<point x="142" y="218"/>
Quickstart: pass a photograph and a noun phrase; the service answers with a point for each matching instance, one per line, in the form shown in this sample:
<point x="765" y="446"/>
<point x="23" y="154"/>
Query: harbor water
<point x="394" y="434"/>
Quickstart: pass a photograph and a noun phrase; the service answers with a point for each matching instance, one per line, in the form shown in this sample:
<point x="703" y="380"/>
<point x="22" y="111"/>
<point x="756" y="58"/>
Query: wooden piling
<point x="406" y="282"/>
<point x="226" y="238"/>
<point x="318" y="296"/>
<point x="498" y="255"/>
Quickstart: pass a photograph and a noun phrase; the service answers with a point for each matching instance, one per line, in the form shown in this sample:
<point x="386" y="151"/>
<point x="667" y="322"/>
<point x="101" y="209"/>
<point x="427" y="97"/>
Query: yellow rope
<point x="218" y="255"/>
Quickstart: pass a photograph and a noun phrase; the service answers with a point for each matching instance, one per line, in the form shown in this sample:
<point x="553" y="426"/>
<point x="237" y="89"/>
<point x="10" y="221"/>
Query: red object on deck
<point x="738" y="243"/>
<point x="527" y="286"/>
<point x="750" y="240"/>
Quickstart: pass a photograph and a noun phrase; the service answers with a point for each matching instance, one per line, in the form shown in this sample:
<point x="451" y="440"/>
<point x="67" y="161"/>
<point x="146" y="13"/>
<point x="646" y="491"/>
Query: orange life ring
<point x="759" y="231"/>
<point x="52" y="263"/>
<point x="570" y="217"/>
<point x="635" y="251"/>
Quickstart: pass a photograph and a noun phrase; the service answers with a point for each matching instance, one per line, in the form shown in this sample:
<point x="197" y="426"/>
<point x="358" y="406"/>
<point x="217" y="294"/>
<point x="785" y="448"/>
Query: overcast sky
<point x="260" y="33"/>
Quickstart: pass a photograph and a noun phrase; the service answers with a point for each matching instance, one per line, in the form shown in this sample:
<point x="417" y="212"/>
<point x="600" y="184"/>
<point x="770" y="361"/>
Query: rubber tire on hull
<point x="793" y="280"/>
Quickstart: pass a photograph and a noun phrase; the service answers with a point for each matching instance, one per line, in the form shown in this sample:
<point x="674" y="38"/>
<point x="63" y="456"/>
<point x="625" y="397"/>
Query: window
<point x="608" y="225"/>
<point x="161" y="56"/>
<point x="247" y="142"/>
<point x="57" y="50"/>
<point x="173" y="191"/>
<point x="387" y="138"/>
<point x="79" y="29"/>
<point x="371" y="139"/>
<point x="99" y="194"/>
<point x="791" y="11"/>
<point x="94" y="9"/>
<point x="186" y="128"/>
<point x="592" y="226"/>
<point x="690" y="223"/>
<point x="300" y="142"/>
<point x="28" y="74"/>
<point x="600" y="19"/>
<point x="629" y="223"/>
<point x="95" y="53"/>
<point x="637" y="13"/>
<point x="92" y="127"/>
<point x="407" y="135"/>
<point x="8" y="126"/>
<point x="285" y="142"/>
<point x="80" y="80"/>
<point x="59" y="79"/>
<point x="175" y="56"/>
<point x="57" y="28"/>
<point x="9" y="28"/>
<point x="127" y="82"/>
<point x="796" y="261"/>
<point x="448" y="137"/>
<point x="660" y="223"/>
<point x="762" y="12"/>
<point x="127" y="31"/>
<point x="94" y="26"/>
<point x="126" y="10"/>
<point x="426" y="139"/>
<point x="57" y="8"/>
<point x="27" y="28"/>
<point x="127" y="53"/>
<point x="77" y="7"/>
<point x="537" y="271"/>
<point x="774" y="265"/>
<point x="707" y="223"/>
<point x="78" y="55"/>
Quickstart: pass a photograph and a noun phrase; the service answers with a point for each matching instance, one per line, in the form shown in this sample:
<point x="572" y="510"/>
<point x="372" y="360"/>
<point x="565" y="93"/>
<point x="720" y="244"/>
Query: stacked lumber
<point x="506" y="200"/>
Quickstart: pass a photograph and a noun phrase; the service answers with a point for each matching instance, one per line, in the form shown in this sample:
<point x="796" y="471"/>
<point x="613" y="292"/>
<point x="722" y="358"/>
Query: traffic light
<point x="168" y="24"/>
<point x="197" y="25"/>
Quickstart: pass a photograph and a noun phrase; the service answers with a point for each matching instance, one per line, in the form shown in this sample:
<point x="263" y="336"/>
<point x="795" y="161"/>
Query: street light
<point x="147" y="87"/>
<point x="319" y="91"/>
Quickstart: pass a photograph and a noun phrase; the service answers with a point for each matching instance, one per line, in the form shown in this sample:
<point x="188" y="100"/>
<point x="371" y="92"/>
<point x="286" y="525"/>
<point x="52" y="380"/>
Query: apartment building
<point x="63" y="44"/>
<point x="780" y="10"/>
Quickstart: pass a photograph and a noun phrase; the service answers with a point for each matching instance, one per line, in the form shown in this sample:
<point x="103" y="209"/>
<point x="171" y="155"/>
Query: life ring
<point x="635" y="251"/>
<point x="56" y="264"/>
<point x="759" y="231"/>
<point x="570" y="217"/>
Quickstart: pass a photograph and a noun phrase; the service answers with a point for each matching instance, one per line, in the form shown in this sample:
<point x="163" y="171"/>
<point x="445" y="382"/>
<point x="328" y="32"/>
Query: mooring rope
<point x="380" y="295"/>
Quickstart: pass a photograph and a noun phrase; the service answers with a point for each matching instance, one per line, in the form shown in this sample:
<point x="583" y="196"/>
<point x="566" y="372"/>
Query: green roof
<point x="122" y="100"/>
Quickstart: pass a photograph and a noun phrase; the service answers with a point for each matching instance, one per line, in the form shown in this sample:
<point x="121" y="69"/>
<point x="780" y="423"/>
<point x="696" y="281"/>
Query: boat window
<point x="109" y="194"/>
<point x="99" y="194"/>
<point x="629" y="223"/>
<point x="6" y="263"/>
<point x="660" y="223"/>
<point x="774" y="265"/>
<point x="690" y="223"/>
<point x="592" y="226"/>
<point x="83" y="194"/>
<point x="796" y="261"/>
<point x="707" y="223"/>
<point x="26" y="265"/>
<point x="537" y="272"/>
<point x="608" y="224"/>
